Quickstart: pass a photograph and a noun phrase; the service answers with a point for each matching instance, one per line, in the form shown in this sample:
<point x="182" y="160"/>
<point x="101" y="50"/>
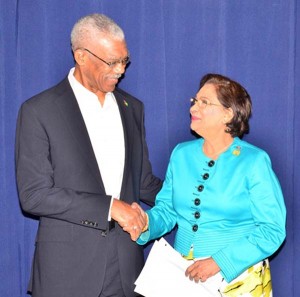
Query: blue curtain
<point x="172" y="44"/>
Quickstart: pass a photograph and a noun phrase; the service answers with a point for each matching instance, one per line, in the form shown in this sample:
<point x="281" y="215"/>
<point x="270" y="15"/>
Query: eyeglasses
<point x="112" y="64"/>
<point x="202" y="102"/>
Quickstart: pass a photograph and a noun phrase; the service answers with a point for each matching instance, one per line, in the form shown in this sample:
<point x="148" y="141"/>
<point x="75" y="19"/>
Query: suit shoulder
<point x="127" y="97"/>
<point x="49" y="95"/>
<point x="249" y="153"/>
<point x="187" y="146"/>
<point x="251" y="149"/>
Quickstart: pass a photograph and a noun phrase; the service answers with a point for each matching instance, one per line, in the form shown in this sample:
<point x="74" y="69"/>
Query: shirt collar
<point x="82" y="92"/>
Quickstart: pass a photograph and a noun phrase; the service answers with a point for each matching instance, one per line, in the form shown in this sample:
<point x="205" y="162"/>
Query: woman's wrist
<point x="147" y="223"/>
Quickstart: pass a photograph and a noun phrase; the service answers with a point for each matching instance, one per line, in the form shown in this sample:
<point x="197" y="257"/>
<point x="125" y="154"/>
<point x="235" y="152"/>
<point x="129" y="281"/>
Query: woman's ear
<point x="228" y="116"/>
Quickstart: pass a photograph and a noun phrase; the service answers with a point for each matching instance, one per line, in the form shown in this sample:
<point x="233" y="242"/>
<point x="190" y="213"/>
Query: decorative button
<point x="195" y="228"/>
<point x="200" y="188"/>
<point x="197" y="214"/>
<point x="103" y="233"/>
<point x="197" y="201"/>
<point x="211" y="163"/>
<point x="206" y="176"/>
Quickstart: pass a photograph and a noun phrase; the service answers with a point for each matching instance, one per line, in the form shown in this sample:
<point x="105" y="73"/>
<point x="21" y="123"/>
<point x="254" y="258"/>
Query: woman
<point x="222" y="194"/>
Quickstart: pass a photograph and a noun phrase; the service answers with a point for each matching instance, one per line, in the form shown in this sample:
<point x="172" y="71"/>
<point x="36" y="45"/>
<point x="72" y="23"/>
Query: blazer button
<point x="195" y="228"/>
<point x="197" y="201"/>
<point x="200" y="188"/>
<point x="197" y="214"/>
<point x="205" y="176"/>
<point x="103" y="233"/>
<point x="211" y="163"/>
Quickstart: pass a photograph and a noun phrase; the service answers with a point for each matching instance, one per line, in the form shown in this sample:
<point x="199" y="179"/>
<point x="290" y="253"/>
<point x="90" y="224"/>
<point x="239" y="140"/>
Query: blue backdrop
<point x="172" y="44"/>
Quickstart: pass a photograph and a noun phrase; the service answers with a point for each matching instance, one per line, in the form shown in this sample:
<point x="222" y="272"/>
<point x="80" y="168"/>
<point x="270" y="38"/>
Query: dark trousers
<point x="112" y="286"/>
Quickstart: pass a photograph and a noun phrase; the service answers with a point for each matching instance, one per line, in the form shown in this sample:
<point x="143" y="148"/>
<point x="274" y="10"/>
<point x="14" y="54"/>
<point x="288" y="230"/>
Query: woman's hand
<point x="135" y="230"/>
<point x="201" y="270"/>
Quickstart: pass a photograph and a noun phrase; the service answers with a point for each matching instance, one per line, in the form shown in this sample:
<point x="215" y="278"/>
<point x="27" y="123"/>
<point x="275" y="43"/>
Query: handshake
<point x="131" y="218"/>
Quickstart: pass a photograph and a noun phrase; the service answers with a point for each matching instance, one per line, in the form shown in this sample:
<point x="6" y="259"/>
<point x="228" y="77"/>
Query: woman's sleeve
<point x="269" y="215"/>
<point x="162" y="217"/>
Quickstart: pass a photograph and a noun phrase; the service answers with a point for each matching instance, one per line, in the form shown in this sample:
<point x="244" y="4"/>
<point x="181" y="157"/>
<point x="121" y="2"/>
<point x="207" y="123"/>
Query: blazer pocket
<point x="54" y="234"/>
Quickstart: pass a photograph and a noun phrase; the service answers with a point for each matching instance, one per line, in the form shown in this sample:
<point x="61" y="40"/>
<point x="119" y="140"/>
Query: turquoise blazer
<point x="231" y="209"/>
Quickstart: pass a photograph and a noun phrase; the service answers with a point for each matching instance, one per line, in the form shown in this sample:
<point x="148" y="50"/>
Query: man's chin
<point x="111" y="88"/>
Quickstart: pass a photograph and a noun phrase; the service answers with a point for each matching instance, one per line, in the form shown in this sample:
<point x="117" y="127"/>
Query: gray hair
<point x="89" y="27"/>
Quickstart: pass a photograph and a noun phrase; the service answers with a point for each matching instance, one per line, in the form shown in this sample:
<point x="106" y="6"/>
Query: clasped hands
<point x="131" y="218"/>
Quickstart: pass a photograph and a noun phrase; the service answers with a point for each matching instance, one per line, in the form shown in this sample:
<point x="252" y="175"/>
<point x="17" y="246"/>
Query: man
<point x="82" y="167"/>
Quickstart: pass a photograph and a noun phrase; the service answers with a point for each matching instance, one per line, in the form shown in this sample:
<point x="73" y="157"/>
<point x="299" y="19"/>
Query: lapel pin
<point x="237" y="151"/>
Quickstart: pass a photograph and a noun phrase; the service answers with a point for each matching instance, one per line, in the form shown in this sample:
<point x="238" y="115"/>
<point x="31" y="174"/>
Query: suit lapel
<point x="69" y="108"/>
<point x="126" y="117"/>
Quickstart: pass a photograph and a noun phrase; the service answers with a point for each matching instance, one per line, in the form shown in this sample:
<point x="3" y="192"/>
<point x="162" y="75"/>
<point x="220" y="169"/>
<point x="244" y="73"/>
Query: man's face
<point x="95" y="74"/>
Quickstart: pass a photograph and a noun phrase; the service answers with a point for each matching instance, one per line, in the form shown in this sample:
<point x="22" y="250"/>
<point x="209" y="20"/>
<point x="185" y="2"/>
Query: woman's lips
<point x="193" y="118"/>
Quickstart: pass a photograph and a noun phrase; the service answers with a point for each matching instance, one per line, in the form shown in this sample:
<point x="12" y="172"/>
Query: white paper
<point x="164" y="275"/>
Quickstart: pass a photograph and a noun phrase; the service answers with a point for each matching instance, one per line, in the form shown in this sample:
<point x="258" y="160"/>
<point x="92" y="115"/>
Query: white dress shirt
<point x="105" y="129"/>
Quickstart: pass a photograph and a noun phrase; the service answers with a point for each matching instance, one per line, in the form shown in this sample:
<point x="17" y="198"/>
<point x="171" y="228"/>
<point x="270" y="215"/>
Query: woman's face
<point x="208" y="116"/>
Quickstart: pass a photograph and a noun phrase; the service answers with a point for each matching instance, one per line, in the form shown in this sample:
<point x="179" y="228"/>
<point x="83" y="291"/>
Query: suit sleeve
<point x="150" y="184"/>
<point x="269" y="215"/>
<point x="38" y="193"/>
<point x="162" y="217"/>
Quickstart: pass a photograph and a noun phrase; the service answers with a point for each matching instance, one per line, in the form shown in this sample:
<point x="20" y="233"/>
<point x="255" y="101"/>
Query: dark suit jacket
<point x="59" y="181"/>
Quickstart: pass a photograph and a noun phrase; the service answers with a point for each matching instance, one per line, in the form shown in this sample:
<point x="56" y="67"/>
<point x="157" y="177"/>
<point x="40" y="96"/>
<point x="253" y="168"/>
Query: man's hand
<point x="130" y="217"/>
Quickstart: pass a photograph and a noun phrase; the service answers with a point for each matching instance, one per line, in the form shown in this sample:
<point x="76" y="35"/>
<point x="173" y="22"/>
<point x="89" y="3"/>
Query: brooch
<point x="237" y="151"/>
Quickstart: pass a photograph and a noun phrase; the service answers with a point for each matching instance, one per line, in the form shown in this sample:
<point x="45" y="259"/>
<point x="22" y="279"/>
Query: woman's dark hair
<point x="231" y="95"/>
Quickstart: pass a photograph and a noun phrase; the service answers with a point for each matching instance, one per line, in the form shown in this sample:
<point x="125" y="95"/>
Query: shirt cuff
<point x="110" y="206"/>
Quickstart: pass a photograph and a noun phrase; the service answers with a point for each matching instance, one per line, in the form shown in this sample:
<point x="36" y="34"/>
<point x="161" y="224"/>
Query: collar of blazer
<point x="70" y="111"/>
<point x="127" y="118"/>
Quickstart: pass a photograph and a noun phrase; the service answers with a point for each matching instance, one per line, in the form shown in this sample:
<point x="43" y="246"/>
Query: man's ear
<point x="79" y="57"/>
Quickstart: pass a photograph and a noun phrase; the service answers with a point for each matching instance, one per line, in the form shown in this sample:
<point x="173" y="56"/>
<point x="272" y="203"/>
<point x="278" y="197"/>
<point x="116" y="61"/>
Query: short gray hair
<point x="89" y="26"/>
